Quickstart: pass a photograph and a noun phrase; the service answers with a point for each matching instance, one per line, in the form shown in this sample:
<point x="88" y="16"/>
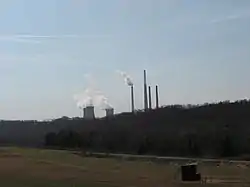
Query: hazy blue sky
<point x="196" y="50"/>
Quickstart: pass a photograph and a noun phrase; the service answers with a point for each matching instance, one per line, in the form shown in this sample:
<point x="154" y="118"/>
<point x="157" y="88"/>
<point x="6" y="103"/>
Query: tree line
<point x="209" y="130"/>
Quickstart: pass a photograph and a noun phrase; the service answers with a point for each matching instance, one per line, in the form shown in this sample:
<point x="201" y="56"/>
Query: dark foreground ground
<point x="21" y="167"/>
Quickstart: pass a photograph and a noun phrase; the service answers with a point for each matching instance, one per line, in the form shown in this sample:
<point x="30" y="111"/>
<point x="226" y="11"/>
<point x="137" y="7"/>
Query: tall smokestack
<point x="157" y="96"/>
<point x="132" y="99"/>
<point x="145" y="91"/>
<point x="149" y="97"/>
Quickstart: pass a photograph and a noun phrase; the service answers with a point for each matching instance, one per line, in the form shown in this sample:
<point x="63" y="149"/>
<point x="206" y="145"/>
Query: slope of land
<point x="211" y="130"/>
<point x="21" y="167"/>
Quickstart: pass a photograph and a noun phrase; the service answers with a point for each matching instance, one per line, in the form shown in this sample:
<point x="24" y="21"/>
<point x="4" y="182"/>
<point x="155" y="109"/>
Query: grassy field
<point x="22" y="167"/>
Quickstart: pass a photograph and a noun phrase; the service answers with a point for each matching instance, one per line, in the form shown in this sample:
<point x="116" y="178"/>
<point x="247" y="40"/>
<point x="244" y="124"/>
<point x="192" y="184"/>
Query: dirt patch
<point x="10" y="155"/>
<point x="62" y="172"/>
<point x="227" y="180"/>
<point x="110" y="172"/>
<point x="9" y="164"/>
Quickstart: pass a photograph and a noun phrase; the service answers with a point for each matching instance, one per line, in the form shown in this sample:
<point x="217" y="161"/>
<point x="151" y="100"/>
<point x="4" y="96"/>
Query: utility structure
<point x="149" y="98"/>
<point x="132" y="99"/>
<point x="157" y="96"/>
<point x="109" y="112"/>
<point x="145" y="91"/>
<point x="89" y="112"/>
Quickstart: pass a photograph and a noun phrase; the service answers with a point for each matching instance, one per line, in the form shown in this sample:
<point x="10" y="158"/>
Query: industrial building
<point x="89" y="112"/>
<point x="109" y="112"/>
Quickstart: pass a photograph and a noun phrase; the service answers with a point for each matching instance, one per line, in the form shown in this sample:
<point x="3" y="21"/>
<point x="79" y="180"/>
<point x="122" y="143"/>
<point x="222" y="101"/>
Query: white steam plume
<point x="102" y="101"/>
<point x="127" y="79"/>
<point x="84" y="99"/>
<point x="92" y="97"/>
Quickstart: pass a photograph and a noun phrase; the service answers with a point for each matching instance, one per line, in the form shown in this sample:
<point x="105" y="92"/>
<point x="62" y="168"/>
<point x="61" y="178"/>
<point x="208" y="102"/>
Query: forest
<point x="209" y="130"/>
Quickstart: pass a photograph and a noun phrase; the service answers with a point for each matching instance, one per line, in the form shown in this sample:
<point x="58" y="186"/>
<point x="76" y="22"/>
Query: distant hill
<point x="211" y="130"/>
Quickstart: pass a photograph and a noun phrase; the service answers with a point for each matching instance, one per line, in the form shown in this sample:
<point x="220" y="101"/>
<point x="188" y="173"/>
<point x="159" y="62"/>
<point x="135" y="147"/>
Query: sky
<point x="197" y="51"/>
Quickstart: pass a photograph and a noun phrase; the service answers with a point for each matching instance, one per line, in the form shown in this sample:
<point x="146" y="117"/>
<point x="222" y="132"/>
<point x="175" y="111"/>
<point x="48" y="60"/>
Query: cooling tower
<point x="109" y="112"/>
<point x="89" y="112"/>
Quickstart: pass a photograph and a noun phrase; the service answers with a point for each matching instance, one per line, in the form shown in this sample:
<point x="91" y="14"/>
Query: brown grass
<point x="109" y="172"/>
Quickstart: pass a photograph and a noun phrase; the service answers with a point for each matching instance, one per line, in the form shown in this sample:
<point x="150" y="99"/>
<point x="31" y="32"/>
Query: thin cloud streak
<point x="230" y="18"/>
<point x="37" y="39"/>
<point x="25" y="36"/>
<point x="18" y="40"/>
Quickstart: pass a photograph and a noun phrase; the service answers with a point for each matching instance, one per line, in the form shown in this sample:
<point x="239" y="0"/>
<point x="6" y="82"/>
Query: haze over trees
<point x="208" y="130"/>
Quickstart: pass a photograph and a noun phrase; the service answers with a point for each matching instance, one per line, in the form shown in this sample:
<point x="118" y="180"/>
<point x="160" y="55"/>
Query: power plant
<point x="109" y="112"/>
<point x="89" y="112"/>
<point x="157" y="97"/>
<point x="145" y="91"/>
<point x="149" y="98"/>
<point x="132" y="99"/>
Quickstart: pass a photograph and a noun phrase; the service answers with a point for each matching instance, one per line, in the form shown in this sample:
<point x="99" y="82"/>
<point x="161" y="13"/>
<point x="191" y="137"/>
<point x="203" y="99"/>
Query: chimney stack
<point x="132" y="99"/>
<point x="145" y="91"/>
<point x="157" y="96"/>
<point x="149" y="97"/>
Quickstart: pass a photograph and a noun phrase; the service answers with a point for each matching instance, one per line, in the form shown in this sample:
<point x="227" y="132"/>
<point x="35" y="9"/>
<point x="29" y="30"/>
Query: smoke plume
<point x="92" y="96"/>
<point x="102" y="102"/>
<point x="85" y="99"/>
<point x="127" y="79"/>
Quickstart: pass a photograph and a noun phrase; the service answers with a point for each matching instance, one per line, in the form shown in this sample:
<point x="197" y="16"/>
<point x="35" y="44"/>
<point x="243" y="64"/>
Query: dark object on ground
<point x="189" y="173"/>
